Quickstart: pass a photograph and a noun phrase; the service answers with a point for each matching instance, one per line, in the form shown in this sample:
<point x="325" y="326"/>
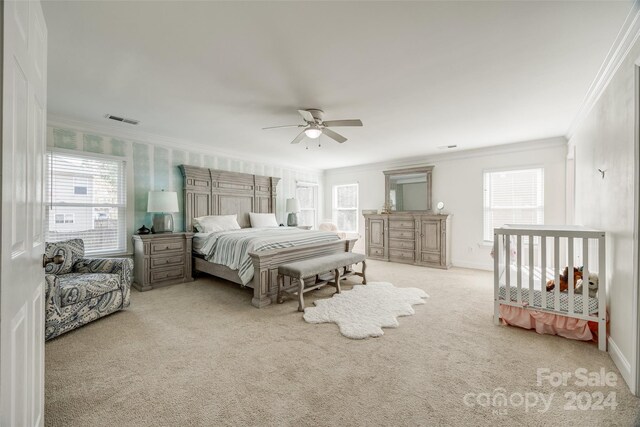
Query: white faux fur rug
<point x="363" y="311"/>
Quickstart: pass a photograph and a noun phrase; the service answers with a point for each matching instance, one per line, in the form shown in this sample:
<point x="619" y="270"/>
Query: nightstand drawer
<point x="159" y="262"/>
<point x="160" y="275"/>
<point x="168" y="246"/>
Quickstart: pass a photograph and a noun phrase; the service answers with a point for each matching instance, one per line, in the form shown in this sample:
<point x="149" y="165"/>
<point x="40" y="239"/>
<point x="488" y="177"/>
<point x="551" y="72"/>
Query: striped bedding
<point x="231" y="248"/>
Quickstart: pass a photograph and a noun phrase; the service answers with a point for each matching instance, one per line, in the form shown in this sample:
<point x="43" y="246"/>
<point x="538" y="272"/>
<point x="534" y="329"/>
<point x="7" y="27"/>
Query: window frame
<point x="122" y="245"/>
<point x="316" y="200"/>
<point x="335" y="209"/>
<point x="485" y="208"/>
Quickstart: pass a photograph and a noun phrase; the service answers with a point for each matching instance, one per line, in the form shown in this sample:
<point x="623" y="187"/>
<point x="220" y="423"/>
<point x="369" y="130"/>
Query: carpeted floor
<point x="199" y="354"/>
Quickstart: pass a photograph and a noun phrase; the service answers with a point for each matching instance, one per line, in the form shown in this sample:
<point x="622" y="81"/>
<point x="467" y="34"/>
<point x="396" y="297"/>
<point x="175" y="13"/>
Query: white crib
<point x="534" y="254"/>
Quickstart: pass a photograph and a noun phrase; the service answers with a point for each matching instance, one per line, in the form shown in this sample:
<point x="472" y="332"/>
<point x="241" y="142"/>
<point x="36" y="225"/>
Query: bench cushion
<point x="313" y="266"/>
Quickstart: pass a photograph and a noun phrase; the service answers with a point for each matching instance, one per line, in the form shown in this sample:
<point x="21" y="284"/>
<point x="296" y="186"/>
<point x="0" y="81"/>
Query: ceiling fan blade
<point x="307" y="116"/>
<point x="285" y="126"/>
<point x="333" y="135"/>
<point x="298" y="138"/>
<point x="334" y="123"/>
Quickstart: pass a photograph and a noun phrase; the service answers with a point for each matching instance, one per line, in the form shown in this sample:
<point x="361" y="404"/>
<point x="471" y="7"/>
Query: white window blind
<point x="307" y="194"/>
<point x="513" y="197"/>
<point x="86" y="199"/>
<point x="345" y="207"/>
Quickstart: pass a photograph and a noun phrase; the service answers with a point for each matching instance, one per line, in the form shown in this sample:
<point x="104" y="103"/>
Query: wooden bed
<point x="216" y="192"/>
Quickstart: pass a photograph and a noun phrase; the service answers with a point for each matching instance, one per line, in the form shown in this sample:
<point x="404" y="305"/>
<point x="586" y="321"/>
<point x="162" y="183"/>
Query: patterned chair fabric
<point x="91" y="289"/>
<point x="78" y="287"/>
<point x="72" y="250"/>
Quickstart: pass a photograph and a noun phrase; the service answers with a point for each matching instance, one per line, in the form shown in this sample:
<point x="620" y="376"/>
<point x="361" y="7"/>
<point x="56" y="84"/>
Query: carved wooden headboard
<point x="216" y="192"/>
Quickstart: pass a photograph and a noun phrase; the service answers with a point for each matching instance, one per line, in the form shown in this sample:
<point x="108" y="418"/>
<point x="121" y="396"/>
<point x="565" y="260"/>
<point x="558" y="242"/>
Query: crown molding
<point x="116" y="131"/>
<point x="538" y="144"/>
<point x="625" y="40"/>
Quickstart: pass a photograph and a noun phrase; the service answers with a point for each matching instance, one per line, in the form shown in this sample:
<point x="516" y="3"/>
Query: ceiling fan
<point x="314" y="126"/>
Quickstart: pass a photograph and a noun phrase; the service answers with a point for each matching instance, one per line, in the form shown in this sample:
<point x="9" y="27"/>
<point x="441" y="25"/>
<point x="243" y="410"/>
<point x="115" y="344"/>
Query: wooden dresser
<point x="420" y="238"/>
<point x="161" y="260"/>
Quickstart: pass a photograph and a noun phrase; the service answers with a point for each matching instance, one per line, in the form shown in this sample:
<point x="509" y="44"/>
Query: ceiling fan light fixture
<point x="313" y="133"/>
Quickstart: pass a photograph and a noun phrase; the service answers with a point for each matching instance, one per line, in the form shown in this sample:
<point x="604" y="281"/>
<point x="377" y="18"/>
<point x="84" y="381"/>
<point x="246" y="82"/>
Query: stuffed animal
<point x="564" y="280"/>
<point x="593" y="285"/>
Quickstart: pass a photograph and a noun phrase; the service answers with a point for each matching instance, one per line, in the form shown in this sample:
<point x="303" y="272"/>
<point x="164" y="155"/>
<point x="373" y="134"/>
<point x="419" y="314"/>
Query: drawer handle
<point x="167" y="247"/>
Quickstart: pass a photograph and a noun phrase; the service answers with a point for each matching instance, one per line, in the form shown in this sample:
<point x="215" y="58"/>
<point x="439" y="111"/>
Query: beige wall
<point x="606" y="140"/>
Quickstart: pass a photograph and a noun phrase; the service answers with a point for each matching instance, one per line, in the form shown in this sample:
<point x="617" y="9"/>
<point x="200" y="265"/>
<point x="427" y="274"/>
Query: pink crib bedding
<point x="548" y="323"/>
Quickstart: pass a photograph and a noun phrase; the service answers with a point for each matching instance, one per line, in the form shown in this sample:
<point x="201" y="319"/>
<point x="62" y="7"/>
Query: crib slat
<point x="496" y="279"/>
<point x="543" y="272"/>
<point x="519" y="264"/>
<point x="507" y="268"/>
<point x="585" y="276"/>
<point x="556" y="275"/>
<point x="602" y="296"/>
<point x="531" y="271"/>
<point x="570" y="274"/>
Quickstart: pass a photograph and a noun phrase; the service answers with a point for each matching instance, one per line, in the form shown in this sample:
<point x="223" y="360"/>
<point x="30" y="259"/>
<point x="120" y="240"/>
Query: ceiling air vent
<point x="122" y="119"/>
<point x="447" y="147"/>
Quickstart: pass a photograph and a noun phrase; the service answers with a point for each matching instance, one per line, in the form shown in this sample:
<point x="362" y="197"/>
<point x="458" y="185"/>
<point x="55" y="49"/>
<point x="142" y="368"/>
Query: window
<point x="64" y="218"/>
<point x="513" y="197"/>
<point x="80" y="185"/>
<point x="307" y="194"/>
<point x="86" y="199"/>
<point x="345" y="207"/>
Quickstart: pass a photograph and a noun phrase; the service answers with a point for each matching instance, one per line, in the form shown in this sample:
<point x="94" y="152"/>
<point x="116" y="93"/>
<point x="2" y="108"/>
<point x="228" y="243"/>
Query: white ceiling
<point x="418" y="74"/>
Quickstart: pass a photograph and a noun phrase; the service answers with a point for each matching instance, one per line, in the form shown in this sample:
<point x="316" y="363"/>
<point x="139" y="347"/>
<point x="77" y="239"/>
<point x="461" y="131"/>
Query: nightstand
<point x="161" y="259"/>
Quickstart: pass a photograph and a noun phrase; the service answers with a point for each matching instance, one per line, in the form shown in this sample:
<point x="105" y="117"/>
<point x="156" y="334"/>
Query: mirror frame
<point x="421" y="169"/>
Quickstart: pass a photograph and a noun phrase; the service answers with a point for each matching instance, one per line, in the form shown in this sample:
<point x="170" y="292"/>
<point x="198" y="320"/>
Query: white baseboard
<point x="622" y="364"/>
<point x="473" y="265"/>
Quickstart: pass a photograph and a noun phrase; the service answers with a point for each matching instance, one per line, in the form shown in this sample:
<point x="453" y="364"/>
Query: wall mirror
<point x="408" y="189"/>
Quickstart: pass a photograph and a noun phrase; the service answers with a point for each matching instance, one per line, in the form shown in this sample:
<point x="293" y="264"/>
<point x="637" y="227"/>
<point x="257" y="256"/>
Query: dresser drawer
<point x="427" y="257"/>
<point x="395" y="223"/>
<point x="166" y="261"/>
<point x="402" y="234"/>
<point x="379" y="252"/>
<point x="161" y="275"/>
<point x="168" y="246"/>
<point x="402" y="244"/>
<point x="401" y="255"/>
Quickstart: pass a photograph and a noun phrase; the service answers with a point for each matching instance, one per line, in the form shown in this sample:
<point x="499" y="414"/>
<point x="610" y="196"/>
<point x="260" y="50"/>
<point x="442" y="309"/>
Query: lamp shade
<point x="293" y="205"/>
<point x="162" y="201"/>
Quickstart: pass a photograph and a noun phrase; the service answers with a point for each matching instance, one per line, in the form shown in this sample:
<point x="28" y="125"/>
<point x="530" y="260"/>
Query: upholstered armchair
<point x="81" y="290"/>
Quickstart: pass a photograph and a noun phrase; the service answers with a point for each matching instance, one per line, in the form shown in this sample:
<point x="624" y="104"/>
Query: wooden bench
<point x="308" y="268"/>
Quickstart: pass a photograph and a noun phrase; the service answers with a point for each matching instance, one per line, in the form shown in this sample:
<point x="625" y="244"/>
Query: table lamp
<point x="162" y="204"/>
<point x="293" y="207"/>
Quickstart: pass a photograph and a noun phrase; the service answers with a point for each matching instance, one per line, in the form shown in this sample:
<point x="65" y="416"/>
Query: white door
<point x="22" y="292"/>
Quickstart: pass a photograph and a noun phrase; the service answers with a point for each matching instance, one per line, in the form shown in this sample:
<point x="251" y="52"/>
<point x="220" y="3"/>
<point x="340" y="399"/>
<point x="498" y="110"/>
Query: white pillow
<point x="213" y="223"/>
<point x="263" y="220"/>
